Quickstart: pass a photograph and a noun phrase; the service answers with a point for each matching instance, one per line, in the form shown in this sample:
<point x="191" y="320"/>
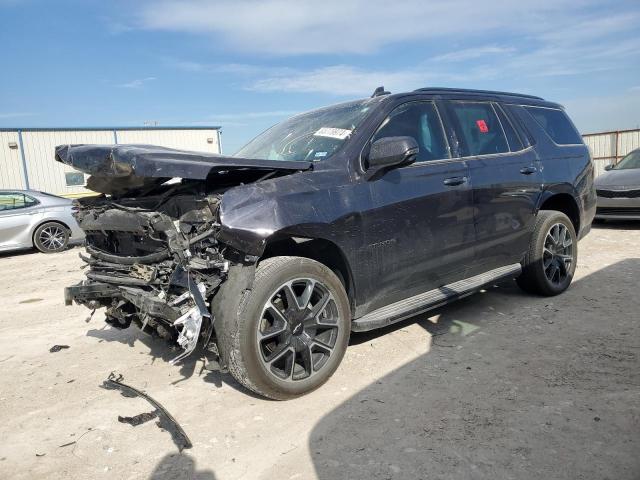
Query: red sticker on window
<point x="482" y="126"/>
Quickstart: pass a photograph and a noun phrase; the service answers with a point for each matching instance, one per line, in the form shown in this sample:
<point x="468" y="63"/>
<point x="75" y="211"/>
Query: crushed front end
<point x="153" y="255"/>
<point x="153" y="261"/>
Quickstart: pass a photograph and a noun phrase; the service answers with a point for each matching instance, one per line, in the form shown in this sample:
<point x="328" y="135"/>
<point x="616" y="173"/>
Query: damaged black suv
<point x="346" y="218"/>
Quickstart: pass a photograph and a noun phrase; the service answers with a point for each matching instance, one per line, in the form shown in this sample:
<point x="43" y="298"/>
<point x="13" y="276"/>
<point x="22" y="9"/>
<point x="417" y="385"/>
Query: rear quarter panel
<point x="565" y="168"/>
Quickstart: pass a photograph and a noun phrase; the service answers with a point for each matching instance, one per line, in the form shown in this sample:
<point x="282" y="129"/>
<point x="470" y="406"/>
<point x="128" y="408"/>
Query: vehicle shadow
<point x="178" y="467"/>
<point x="33" y="251"/>
<point x="617" y="225"/>
<point x="18" y="253"/>
<point x="514" y="386"/>
<point x="159" y="349"/>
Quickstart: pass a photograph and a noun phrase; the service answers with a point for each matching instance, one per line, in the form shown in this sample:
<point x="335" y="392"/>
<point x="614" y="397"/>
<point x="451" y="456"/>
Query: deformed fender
<point x="226" y="303"/>
<point x="251" y="214"/>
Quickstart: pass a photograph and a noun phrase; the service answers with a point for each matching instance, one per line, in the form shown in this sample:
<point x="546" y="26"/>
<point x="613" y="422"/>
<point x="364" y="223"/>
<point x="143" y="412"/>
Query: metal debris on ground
<point x="165" y="420"/>
<point x="138" y="419"/>
<point x="57" y="348"/>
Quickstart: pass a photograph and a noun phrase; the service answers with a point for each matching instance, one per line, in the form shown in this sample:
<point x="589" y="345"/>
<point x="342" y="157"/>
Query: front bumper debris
<point x="157" y="269"/>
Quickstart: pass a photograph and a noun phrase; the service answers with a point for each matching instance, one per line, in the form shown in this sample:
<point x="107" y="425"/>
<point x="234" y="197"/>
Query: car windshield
<point x="630" y="161"/>
<point x="309" y="136"/>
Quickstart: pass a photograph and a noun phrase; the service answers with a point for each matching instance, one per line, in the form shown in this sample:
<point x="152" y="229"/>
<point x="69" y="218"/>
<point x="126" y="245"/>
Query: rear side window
<point x="557" y="125"/>
<point x="480" y="128"/>
<point x="15" y="201"/>
<point x="515" y="144"/>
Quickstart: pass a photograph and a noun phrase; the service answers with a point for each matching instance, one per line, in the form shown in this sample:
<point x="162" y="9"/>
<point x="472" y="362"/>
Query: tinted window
<point x="515" y="144"/>
<point x="480" y="128"/>
<point x="557" y="125"/>
<point x="74" y="178"/>
<point x="419" y="120"/>
<point x="13" y="201"/>
<point x="630" y="161"/>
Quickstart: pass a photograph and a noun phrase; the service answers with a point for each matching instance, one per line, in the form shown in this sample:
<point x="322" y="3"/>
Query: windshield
<point x="309" y="136"/>
<point x="630" y="161"/>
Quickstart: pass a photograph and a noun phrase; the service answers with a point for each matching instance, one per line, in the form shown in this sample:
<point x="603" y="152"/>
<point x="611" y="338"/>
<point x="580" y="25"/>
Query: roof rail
<point x="468" y="90"/>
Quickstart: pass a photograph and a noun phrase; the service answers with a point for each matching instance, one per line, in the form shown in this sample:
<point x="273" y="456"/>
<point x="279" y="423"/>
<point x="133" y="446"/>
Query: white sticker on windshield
<point x="339" y="133"/>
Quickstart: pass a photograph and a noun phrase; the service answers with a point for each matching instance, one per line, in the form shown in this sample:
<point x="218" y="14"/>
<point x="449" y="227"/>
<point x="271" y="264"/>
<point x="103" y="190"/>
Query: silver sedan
<point x="618" y="190"/>
<point x="35" y="219"/>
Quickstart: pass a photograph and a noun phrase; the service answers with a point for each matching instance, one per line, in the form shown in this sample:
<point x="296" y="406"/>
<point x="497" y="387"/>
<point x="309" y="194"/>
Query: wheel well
<point x="320" y="250"/>
<point x="565" y="203"/>
<point x="33" y="234"/>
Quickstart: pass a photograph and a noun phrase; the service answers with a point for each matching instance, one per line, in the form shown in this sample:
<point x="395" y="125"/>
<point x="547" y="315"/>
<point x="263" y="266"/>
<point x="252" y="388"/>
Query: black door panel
<point x="419" y="231"/>
<point x="429" y="226"/>
<point x="506" y="184"/>
<point x="505" y="201"/>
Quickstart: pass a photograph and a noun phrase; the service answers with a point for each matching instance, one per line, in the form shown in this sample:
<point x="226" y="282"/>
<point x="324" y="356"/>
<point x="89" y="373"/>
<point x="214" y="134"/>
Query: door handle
<point x="528" y="170"/>
<point x="453" y="181"/>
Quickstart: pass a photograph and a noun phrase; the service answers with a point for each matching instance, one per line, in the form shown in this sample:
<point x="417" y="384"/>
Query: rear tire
<point x="550" y="262"/>
<point x="51" y="237"/>
<point x="292" y="329"/>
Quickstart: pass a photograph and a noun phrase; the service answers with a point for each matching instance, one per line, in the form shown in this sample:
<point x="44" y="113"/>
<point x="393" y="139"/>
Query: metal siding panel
<point x="600" y="164"/>
<point x="11" y="174"/>
<point x="44" y="172"/>
<point x="628" y="141"/>
<point x="195" y="140"/>
<point x="603" y="147"/>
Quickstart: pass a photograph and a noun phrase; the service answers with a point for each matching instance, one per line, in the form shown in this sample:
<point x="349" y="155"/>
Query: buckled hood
<point x="132" y="166"/>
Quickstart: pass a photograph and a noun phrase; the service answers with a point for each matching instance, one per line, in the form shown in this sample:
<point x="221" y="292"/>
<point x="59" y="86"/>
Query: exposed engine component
<point x="153" y="261"/>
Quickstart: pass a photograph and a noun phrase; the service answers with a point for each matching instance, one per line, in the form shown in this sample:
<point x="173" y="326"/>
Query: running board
<point x="433" y="298"/>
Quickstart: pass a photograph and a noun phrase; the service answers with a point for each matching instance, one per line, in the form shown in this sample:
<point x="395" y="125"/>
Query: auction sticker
<point x="339" y="133"/>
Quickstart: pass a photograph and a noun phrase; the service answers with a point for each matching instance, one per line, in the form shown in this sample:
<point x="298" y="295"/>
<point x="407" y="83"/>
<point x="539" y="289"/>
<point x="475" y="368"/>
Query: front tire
<point x="292" y="329"/>
<point x="550" y="262"/>
<point x="51" y="237"/>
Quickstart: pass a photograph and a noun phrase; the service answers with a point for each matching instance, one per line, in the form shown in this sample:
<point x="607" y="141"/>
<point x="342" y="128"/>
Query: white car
<point x="36" y="219"/>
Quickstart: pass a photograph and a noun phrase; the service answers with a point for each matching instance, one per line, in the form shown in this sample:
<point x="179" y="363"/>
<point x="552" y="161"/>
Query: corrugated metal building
<point x="27" y="154"/>
<point x="610" y="147"/>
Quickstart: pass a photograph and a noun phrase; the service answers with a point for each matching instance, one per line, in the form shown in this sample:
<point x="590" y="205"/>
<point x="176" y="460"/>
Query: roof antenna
<point x="379" y="91"/>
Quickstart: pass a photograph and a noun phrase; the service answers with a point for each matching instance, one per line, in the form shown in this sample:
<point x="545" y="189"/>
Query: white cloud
<point x="244" y="119"/>
<point x="16" y="115"/>
<point x="252" y="115"/>
<point x="338" y="79"/>
<point x="285" y="27"/>
<point x="137" y="83"/>
<point x="473" y="53"/>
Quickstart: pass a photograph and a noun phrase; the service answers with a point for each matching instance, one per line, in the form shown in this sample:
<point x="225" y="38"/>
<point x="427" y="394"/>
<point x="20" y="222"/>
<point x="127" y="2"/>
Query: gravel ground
<point x="498" y="385"/>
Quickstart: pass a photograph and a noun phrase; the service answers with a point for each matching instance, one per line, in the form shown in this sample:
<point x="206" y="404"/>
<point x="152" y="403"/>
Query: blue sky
<point x="245" y="65"/>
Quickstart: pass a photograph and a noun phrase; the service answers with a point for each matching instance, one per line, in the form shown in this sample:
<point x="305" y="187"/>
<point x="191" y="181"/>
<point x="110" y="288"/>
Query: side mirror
<point x="391" y="152"/>
<point x="609" y="167"/>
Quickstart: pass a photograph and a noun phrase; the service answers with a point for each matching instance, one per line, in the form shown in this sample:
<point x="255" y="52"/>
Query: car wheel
<point x="51" y="237"/>
<point x="550" y="262"/>
<point x="292" y="329"/>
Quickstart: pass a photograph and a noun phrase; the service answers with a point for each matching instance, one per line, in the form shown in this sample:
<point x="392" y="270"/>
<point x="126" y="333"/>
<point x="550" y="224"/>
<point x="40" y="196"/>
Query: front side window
<point x="419" y="120"/>
<point x="480" y="128"/>
<point x="14" y="201"/>
<point x="310" y="136"/>
<point x="557" y="125"/>
<point x="632" y="160"/>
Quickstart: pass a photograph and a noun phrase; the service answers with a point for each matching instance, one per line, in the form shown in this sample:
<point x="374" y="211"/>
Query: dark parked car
<point x="618" y="190"/>
<point x="346" y="218"/>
